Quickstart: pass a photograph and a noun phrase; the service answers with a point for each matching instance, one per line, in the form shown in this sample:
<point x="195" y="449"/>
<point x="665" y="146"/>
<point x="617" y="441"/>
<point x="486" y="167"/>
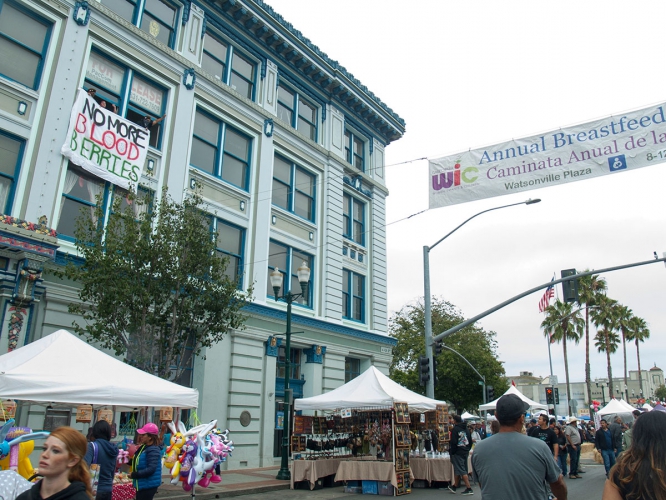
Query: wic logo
<point x="454" y="177"/>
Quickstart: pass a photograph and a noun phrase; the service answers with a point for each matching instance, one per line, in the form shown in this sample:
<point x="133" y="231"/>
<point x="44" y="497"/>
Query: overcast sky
<point x="475" y="73"/>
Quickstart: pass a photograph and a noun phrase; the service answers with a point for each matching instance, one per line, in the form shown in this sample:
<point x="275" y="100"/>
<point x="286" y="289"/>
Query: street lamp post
<point x="603" y="394"/>
<point x="276" y="282"/>
<point x="430" y="384"/>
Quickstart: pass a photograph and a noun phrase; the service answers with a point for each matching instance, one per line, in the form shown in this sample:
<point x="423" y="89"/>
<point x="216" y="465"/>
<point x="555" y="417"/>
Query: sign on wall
<point x="105" y="144"/>
<point x="602" y="147"/>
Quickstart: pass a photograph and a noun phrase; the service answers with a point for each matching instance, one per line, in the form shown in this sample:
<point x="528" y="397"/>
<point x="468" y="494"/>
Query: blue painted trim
<point x="357" y="183"/>
<point x="312" y="356"/>
<point x="273" y="346"/>
<point x="189" y="78"/>
<point x="81" y="13"/>
<point x="295" y="385"/>
<point x="187" y="6"/>
<point x="296" y="319"/>
<point x="268" y="127"/>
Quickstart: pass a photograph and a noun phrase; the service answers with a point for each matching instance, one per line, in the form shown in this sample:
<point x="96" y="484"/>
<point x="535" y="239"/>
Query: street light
<point x="430" y="384"/>
<point x="276" y="277"/>
<point x="603" y="394"/>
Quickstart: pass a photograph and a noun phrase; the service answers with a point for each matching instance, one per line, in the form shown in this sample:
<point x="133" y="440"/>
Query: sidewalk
<point x="234" y="483"/>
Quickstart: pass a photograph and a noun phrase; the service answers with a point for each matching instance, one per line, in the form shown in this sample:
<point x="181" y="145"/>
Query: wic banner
<point x="105" y="144"/>
<point x="608" y="146"/>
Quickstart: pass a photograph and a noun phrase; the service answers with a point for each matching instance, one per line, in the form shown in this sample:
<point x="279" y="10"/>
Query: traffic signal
<point x="569" y="288"/>
<point x="438" y="347"/>
<point x="424" y="370"/>
<point x="550" y="398"/>
<point x="557" y="395"/>
<point x="490" y="393"/>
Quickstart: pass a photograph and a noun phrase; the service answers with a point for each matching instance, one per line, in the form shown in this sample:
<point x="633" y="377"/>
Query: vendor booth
<point x="373" y="436"/>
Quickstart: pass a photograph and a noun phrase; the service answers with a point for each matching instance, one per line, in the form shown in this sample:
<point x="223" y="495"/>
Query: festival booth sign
<point x="372" y="406"/>
<point x="512" y="390"/>
<point x="105" y="144"/>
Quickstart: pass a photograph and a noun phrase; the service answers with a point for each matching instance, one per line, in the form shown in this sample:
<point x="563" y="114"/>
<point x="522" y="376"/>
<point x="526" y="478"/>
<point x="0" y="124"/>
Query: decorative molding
<point x="315" y="354"/>
<point x="273" y="346"/>
<point x="357" y="183"/>
<point x="296" y="319"/>
<point x="22" y="108"/>
<point x="81" y="13"/>
<point x="28" y="272"/>
<point x="268" y="127"/>
<point x="186" y="11"/>
<point x="189" y="78"/>
<point x="204" y="25"/>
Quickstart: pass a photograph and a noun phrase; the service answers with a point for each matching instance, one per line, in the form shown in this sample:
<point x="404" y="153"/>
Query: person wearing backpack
<point x="103" y="452"/>
<point x="459" y="446"/>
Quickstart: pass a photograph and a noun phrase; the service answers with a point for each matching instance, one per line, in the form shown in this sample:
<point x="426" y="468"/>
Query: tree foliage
<point x="456" y="382"/>
<point x="152" y="285"/>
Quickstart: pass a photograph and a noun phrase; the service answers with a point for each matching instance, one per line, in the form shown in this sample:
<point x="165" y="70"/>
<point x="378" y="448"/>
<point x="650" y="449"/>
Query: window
<point x="353" y="296"/>
<point x="293" y="188"/>
<point x="297" y="112"/>
<point x="354" y="147"/>
<point x="220" y="150"/>
<point x="230" y="243"/>
<point x="288" y="260"/>
<point x="157" y="17"/>
<point x="24" y="39"/>
<point x="226" y="64"/>
<point x="80" y="194"/>
<point x="11" y="152"/>
<point x="352" y="369"/>
<point x="146" y="98"/>
<point x="294" y="363"/>
<point x="353" y="219"/>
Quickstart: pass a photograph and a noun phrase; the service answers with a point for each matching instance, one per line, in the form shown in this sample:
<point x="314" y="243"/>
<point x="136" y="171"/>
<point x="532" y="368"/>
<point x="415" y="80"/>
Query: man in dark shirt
<point x="603" y="442"/>
<point x="616" y="433"/>
<point x="546" y="434"/>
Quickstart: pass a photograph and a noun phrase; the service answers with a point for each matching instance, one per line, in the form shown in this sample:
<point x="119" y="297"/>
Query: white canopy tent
<point x="512" y="390"/>
<point x="627" y="405"/>
<point x="615" y="407"/>
<point x="468" y="416"/>
<point x="370" y="389"/>
<point x="62" y="368"/>
<point x="647" y="407"/>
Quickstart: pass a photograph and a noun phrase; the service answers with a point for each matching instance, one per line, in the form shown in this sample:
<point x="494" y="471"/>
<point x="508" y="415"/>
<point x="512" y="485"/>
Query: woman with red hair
<point x="64" y="473"/>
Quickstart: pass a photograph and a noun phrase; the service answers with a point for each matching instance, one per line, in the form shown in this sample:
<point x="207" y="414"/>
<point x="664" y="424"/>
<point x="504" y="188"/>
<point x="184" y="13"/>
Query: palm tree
<point x="639" y="332"/>
<point x="563" y="323"/>
<point x="604" y="317"/>
<point x="589" y="288"/>
<point x="624" y="318"/>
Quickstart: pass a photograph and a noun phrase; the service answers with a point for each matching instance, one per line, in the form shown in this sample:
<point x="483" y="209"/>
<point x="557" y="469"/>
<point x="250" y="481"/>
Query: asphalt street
<point x="589" y="487"/>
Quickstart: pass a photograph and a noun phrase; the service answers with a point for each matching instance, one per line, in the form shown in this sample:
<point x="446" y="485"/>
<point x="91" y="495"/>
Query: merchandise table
<point x="369" y="470"/>
<point x="435" y="469"/>
<point x="312" y="470"/>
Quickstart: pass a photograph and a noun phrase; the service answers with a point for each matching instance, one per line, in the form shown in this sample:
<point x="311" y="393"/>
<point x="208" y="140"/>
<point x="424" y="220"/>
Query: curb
<point x="226" y="493"/>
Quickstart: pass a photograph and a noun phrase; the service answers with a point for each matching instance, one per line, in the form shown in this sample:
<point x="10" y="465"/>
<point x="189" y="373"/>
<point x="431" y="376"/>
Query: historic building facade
<point x="285" y="145"/>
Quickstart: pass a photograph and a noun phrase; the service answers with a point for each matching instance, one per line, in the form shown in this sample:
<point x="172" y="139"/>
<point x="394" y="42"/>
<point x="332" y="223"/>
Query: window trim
<point x="45" y="47"/>
<point x="228" y="63"/>
<point x="139" y="8"/>
<point x="292" y="188"/>
<point x="350" y="155"/>
<point x="348" y="231"/>
<point x="350" y="296"/>
<point x="215" y="221"/>
<point x="9" y="204"/>
<point x="351" y="374"/>
<point x="295" y="109"/>
<point x="220" y="151"/>
<point x="290" y="272"/>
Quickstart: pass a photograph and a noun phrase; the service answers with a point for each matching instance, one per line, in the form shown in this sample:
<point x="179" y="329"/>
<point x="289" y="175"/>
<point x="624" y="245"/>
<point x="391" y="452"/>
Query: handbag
<point x="94" y="470"/>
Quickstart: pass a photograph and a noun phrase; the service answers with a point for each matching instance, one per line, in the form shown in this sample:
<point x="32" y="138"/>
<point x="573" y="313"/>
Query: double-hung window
<point x="353" y="296"/>
<point x="287" y="260"/>
<point x="353" y="219"/>
<point x="127" y="92"/>
<point x="11" y="153"/>
<point x="228" y="65"/>
<point x="352" y="369"/>
<point x="354" y="150"/>
<point x="157" y="17"/>
<point x="293" y="188"/>
<point x="297" y="111"/>
<point x="220" y="150"/>
<point x="229" y="243"/>
<point x="24" y="40"/>
<point x="294" y="363"/>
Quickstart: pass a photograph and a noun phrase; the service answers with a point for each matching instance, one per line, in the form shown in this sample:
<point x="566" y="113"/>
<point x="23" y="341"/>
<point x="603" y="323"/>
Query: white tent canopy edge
<point x="512" y="390"/>
<point x="62" y="368"/>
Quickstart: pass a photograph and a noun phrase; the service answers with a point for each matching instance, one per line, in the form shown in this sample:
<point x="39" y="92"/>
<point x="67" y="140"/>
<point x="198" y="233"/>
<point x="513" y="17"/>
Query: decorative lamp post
<point x="430" y="383"/>
<point x="276" y="278"/>
<point x="603" y="394"/>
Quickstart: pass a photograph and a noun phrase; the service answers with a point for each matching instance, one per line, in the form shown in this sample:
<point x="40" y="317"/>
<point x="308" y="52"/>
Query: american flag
<point x="547" y="295"/>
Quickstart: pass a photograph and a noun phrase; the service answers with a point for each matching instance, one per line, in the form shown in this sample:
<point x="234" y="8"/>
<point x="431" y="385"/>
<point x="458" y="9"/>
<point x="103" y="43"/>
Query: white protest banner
<point x="105" y="144"/>
<point x="610" y="145"/>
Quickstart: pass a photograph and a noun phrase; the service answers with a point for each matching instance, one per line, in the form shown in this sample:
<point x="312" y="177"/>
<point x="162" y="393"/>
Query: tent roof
<point x="370" y="388"/>
<point x="512" y="390"/>
<point x="468" y="416"/>
<point x="62" y="368"/>
<point x="627" y="405"/>
<point x="647" y="407"/>
<point x="614" y="406"/>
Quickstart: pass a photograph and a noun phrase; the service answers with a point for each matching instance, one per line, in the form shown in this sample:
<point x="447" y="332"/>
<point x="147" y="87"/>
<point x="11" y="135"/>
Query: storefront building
<point x="285" y="145"/>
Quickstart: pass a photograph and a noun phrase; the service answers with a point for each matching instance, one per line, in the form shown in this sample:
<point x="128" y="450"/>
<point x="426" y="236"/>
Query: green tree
<point x="624" y="322"/>
<point x="639" y="333"/>
<point x="660" y="393"/>
<point x="456" y="383"/>
<point x="152" y="285"/>
<point x="589" y="289"/>
<point x="604" y="317"/>
<point x="563" y="323"/>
